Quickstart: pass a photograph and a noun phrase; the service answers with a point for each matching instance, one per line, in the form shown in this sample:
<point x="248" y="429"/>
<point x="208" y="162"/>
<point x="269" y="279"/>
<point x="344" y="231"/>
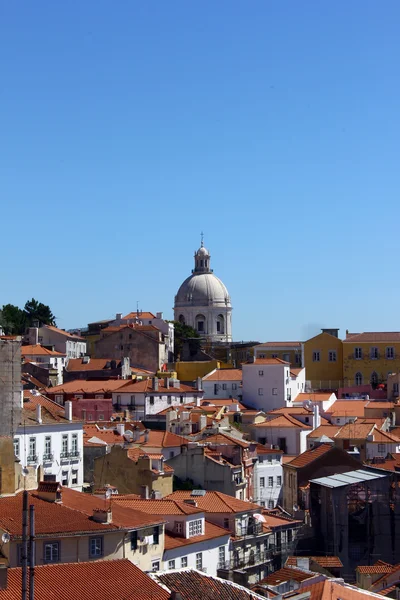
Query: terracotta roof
<point x="83" y="386"/>
<point x="222" y="439"/>
<point x="261" y="449"/>
<point x="287" y="458"/>
<point x="354" y="431"/>
<point x="165" y="506"/>
<point x="51" y="411"/>
<point x="278" y="344"/>
<point x="324" y="561"/>
<point x="309" y="456"/>
<point x="39" y="350"/>
<point x="225" y="375"/>
<point x="194" y="585"/>
<point x="371" y="405"/>
<point x="296" y="372"/>
<point x="282" y="421"/>
<point x="389" y="463"/>
<point x="215" y="502"/>
<point x="142" y="315"/>
<point x="373" y="336"/>
<point x="146" y="387"/>
<point x="267" y="361"/>
<point x="286" y="574"/>
<point x="314" y="397"/>
<point x="329" y="430"/>
<point x="377" y="568"/>
<point x="206" y="403"/>
<point x="384" y="437"/>
<point x="100" y="580"/>
<point x="347" y="408"/>
<point x="273" y="518"/>
<point x="62" y="332"/>
<point x="94" y="364"/>
<point x="108" y="436"/>
<point x="163" y="439"/>
<point x="211" y="531"/>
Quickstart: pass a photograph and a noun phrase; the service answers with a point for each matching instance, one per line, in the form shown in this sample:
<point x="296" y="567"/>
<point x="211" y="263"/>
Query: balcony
<point x="245" y="562"/>
<point x="70" y="455"/>
<point x="48" y="457"/>
<point x="249" y="530"/>
<point x="32" y="459"/>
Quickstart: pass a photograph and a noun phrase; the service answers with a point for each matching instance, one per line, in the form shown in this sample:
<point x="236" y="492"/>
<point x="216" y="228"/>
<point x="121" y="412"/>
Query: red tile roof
<point x="314" y="397"/>
<point x="278" y="344"/>
<point x="377" y="568"/>
<point x="222" y="439"/>
<point x="146" y="387"/>
<point x="286" y="574"/>
<point x="347" y="408"/>
<point x="100" y="580"/>
<point x="309" y="456"/>
<point x="225" y="375"/>
<point x="215" y="502"/>
<point x="82" y="386"/>
<point x="354" y="431"/>
<point x="282" y="421"/>
<point x="211" y="532"/>
<point x="373" y="336"/>
<point x="267" y="361"/>
<point x="62" y="332"/>
<point x="165" y="506"/>
<point x="162" y="439"/>
<point x="51" y="411"/>
<point x="329" y="430"/>
<point x="324" y="561"/>
<point x="371" y="405"/>
<point x="142" y="315"/>
<point x="39" y="350"/>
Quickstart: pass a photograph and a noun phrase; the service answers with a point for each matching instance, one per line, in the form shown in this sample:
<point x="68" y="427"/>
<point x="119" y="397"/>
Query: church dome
<point x="202" y="289"/>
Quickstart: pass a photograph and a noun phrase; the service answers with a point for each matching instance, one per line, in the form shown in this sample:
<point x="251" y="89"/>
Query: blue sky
<point x="129" y="127"/>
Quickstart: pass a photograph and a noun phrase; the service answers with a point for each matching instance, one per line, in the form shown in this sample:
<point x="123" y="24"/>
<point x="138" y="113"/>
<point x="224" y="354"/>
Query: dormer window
<point x="195" y="527"/>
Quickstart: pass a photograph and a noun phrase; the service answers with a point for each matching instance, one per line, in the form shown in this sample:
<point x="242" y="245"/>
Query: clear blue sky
<point x="128" y="127"/>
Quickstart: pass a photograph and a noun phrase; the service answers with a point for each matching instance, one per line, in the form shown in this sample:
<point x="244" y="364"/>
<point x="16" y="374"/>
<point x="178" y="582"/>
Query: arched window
<point x="374" y="378"/>
<point x="182" y="319"/>
<point x="200" y="323"/>
<point x="358" y="378"/>
<point x="220" y="324"/>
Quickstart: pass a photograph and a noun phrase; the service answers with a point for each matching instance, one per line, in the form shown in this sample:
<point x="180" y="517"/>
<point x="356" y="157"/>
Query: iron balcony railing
<point x="71" y="454"/>
<point x="245" y="562"/>
<point x="32" y="458"/>
<point x="249" y="530"/>
<point x="48" y="456"/>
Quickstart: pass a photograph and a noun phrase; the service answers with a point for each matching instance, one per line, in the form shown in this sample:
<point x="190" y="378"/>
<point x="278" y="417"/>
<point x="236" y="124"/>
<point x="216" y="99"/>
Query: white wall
<point x="72" y="347"/>
<point x="211" y="314"/>
<point x="272" y="435"/>
<point x="225" y="389"/>
<point x="209" y="550"/>
<point x="381" y="450"/>
<point x="266" y="387"/>
<point x="298" y="384"/>
<point x="56" y="465"/>
<point x="159" y="403"/>
<point x="268" y="465"/>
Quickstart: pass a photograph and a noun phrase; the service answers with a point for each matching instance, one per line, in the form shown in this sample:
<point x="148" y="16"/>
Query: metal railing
<point x="71" y="454"/>
<point x="249" y="530"/>
<point x="245" y="562"/>
<point x="32" y="458"/>
<point x="48" y="456"/>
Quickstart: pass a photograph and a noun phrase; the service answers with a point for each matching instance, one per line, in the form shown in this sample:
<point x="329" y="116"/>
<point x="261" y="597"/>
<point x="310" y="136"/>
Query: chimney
<point x="198" y="401"/>
<point x="39" y="413"/>
<point x="155" y="384"/>
<point x="3" y="576"/>
<point x="202" y="422"/>
<point x="127" y="415"/>
<point x="159" y="315"/>
<point x="199" y="384"/>
<point x="167" y="383"/>
<point x="118" y="316"/>
<point x="175" y="595"/>
<point x="33" y="335"/>
<point x="49" y="491"/>
<point x="102" y="515"/>
<point x="146" y="435"/>
<point x="68" y="410"/>
<point x="121" y="428"/>
<point x="316" y="417"/>
<point x="144" y="492"/>
<point x="136" y="434"/>
<point x="303" y="563"/>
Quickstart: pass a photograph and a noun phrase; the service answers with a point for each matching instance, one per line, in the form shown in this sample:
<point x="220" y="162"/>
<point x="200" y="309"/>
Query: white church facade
<point x="203" y="302"/>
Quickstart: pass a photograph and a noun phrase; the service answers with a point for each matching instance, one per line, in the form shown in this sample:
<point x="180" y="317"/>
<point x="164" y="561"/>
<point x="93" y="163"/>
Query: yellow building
<point x="323" y="360"/>
<point x="291" y="352"/>
<point x="369" y="357"/>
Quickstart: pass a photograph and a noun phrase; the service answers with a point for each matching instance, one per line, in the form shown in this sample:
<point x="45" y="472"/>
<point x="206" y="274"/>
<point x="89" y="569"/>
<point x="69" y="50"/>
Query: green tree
<point x="37" y="311"/>
<point x="12" y="320"/>
<point x="183" y="332"/>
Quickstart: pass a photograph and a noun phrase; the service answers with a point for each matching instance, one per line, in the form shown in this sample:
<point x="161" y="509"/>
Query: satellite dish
<point x="108" y="493"/>
<point x="5" y="538"/>
<point x="25" y="471"/>
<point x="295" y="507"/>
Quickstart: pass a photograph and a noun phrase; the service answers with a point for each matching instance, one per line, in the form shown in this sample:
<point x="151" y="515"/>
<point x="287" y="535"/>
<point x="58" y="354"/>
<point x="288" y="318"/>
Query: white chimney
<point x="146" y="435"/>
<point x="159" y="315"/>
<point x="202" y="422"/>
<point x="155" y="384"/>
<point x="68" y="410"/>
<point x="39" y="413"/>
<point x="118" y="316"/>
<point x="198" y="384"/>
<point x="316" y="417"/>
<point x="136" y="434"/>
<point x="121" y="428"/>
<point x="198" y="401"/>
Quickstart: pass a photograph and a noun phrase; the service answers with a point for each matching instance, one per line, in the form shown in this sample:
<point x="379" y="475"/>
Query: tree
<point x="12" y="320"/>
<point x="37" y="311"/>
<point x="183" y="332"/>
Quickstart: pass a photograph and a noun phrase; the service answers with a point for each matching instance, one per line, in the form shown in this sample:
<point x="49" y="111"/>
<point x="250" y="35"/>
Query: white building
<point x="203" y="302"/>
<point x="48" y="438"/>
<point x="223" y="383"/>
<point x="151" y="396"/>
<point x="269" y="383"/>
<point x="148" y="318"/>
<point x="73" y="346"/>
<point x="283" y="432"/>
<point x="268" y="477"/>
<point x="45" y="358"/>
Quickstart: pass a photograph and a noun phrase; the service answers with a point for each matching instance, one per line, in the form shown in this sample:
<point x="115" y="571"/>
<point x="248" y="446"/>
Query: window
<point x="64" y="478"/>
<point x="218" y="326"/>
<point x="395" y="388"/>
<point x="270" y="504"/>
<point x="195" y="527"/>
<point x="260" y="391"/>
<point x="171" y="454"/>
<point x="74" y="444"/>
<point x="262" y="481"/>
<point x="181" y="399"/>
<point x="156" y="535"/>
<point x="169" y="400"/>
<point x="171" y="564"/>
<point x="274" y="356"/>
<point x="390" y="352"/>
<point x="226" y="523"/>
<point x="358" y="379"/>
<point x="381" y="447"/>
<point x="316" y="356"/>
<point x="224" y="386"/>
<point x="261" y="373"/>
<point x="200" y="325"/>
<point x="199" y="561"/>
<point x="221" y="555"/>
<point x="95" y="547"/>
<point x="151" y="401"/>
<point x="101" y="417"/>
<point x="270" y="481"/>
<point x="357" y="353"/>
<point x="155" y="566"/>
<point x="51" y="552"/>
<point x="234" y="386"/>
<point x="374" y="353"/>
<point x="64" y="445"/>
<point x="74" y="479"/>
<point x="59" y="399"/>
<point x="338" y="420"/>
<point x="374" y="378"/>
<point x="16" y="447"/>
<point x="274" y="391"/>
<point x="262" y="503"/>
<point x="279" y="480"/>
<point x="289" y="535"/>
<point x="184" y="562"/>
<point x="134" y="540"/>
<point x="306" y="419"/>
<point x="178" y="527"/>
<point x="332" y="356"/>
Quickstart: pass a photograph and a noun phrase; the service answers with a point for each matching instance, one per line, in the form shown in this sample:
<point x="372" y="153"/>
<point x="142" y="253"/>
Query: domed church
<point x="203" y="301"/>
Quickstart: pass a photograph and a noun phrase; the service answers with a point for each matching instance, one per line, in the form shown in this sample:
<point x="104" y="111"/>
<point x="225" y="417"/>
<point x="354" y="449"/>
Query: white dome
<point x="202" y="289"/>
<point x="202" y="251"/>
